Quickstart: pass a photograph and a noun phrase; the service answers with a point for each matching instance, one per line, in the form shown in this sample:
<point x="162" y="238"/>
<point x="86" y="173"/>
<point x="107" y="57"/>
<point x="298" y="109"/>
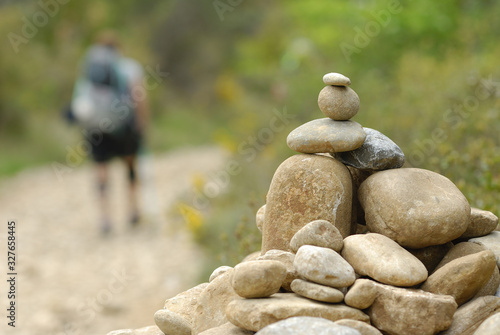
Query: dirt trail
<point x="71" y="280"/>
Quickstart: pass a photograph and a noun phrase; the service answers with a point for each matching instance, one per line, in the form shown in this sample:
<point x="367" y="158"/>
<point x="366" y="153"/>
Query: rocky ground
<point x="73" y="281"/>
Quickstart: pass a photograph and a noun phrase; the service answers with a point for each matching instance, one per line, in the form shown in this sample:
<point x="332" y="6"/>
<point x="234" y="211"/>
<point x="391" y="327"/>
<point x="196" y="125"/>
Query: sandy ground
<point x="70" y="280"/>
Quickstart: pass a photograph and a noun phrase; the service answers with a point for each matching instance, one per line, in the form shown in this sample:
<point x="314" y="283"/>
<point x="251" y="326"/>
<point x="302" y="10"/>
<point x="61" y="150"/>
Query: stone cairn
<point x="352" y="243"/>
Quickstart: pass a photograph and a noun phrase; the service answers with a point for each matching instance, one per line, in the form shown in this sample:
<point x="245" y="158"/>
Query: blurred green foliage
<point x="426" y="73"/>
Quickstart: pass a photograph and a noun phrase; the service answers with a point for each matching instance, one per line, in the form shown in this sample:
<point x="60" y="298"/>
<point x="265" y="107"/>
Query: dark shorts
<point x="116" y="145"/>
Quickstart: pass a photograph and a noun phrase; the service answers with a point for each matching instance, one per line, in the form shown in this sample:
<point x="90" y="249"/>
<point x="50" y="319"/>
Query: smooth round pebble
<point x="323" y="266"/>
<point x="336" y="79"/>
<point x="258" y="279"/>
<point x="326" y="136"/>
<point x="320" y="233"/>
<point x="286" y="258"/>
<point x="338" y="102"/>
<point x="172" y="323"/>
<point x="382" y="259"/>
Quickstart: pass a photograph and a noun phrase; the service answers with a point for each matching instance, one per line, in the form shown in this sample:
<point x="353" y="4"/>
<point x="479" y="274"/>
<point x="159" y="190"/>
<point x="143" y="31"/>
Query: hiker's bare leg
<point x="102" y="180"/>
<point x="131" y="162"/>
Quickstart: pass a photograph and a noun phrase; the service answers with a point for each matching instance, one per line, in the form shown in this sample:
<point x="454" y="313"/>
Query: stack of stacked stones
<point x="352" y="243"/>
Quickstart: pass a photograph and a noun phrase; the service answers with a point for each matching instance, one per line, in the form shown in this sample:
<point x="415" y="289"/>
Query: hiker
<point x="113" y="116"/>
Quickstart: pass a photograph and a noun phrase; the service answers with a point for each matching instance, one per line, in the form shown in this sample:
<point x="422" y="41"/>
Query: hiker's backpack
<point x="101" y="99"/>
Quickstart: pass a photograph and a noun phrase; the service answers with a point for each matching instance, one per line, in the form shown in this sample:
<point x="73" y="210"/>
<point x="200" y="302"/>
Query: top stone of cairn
<point x="336" y="79"/>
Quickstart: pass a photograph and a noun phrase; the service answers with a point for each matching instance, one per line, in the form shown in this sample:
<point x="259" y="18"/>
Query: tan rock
<point x="316" y="291"/>
<point x="362" y="294"/>
<point x="185" y="303"/>
<point x="217" y="272"/>
<point x="306" y="325"/>
<point x="306" y="188"/>
<point x="227" y="329"/>
<point x="338" y="102"/>
<point x="463" y="277"/>
<point x="286" y="258"/>
<point x="172" y="323"/>
<point x="382" y="259"/>
<point x="416" y="208"/>
<point x="490" y="326"/>
<point x="481" y="223"/>
<point x="150" y="330"/>
<point x="467" y="248"/>
<point x="431" y="256"/>
<point x="363" y="327"/>
<point x="323" y="266"/>
<point x="491" y="287"/>
<point x="255" y="314"/>
<point x="326" y="136"/>
<point x="336" y="79"/>
<point x="460" y="250"/>
<point x="398" y="311"/>
<point x="490" y="242"/>
<point x="258" y="279"/>
<point x="470" y="315"/>
<point x="259" y="217"/>
<point x="320" y="233"/>
<point x="210" y="310"/>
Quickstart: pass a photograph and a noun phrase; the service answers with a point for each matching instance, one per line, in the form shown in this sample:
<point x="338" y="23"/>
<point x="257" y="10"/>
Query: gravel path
<point x="71" y="280"/>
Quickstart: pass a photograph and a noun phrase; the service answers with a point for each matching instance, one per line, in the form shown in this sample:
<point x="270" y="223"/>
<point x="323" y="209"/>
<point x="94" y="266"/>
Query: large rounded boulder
<point x="417" y="208"/>
<point x="305" y="188"/>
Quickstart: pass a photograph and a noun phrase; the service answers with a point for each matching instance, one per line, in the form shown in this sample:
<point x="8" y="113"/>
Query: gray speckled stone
<point x="378" y="152"/>
<point x="336" y="79"/>
<point x="326" y="136"/>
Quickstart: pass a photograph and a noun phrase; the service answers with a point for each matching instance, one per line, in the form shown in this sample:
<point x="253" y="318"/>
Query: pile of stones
<point x="352" y="243"/>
